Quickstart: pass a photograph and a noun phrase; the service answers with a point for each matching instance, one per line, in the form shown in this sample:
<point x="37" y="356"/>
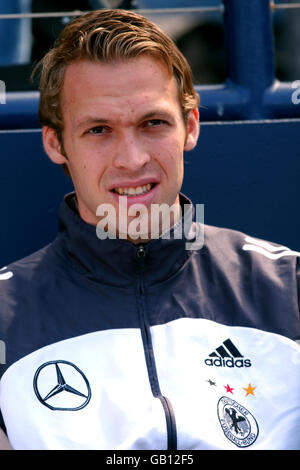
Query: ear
<point x="52" y="145"/>
<point x="192" y="127"/>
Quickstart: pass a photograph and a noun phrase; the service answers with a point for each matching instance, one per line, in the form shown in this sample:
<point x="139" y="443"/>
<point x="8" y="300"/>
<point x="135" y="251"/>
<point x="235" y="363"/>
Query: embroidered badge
<point x="238" y="424"/>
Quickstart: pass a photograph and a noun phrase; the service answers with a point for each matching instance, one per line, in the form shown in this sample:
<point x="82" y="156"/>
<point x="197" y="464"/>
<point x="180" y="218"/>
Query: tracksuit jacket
<point x="105" y="344"/>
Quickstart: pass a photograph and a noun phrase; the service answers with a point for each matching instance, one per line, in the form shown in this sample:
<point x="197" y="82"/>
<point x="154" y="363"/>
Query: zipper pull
<point x="140" y="258"/>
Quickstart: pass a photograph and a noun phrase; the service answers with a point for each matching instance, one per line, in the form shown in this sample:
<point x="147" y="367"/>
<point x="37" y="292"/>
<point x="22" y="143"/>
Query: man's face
<point x="123" y="134"/>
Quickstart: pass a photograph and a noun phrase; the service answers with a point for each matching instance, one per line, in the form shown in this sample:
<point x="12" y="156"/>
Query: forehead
<point x="131" y="85"/>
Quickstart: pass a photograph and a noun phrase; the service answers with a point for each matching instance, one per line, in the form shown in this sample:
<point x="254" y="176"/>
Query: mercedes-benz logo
<point x="61" y="385"/>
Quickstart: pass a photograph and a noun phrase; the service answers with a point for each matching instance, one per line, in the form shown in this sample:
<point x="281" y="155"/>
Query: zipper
<point x="141" y="264"/>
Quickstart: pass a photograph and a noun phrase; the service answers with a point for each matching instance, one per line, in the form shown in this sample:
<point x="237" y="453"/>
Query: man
<point x="121" y="334"/>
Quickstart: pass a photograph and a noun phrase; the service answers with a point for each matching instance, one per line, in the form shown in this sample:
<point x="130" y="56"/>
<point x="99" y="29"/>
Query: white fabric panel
<point x="122" y="412"/>
<point x="181" y="348"/>
<point x="248" y="399"/>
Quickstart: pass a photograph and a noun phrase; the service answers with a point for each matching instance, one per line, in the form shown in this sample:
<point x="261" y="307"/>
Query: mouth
<point x="133" y="191"/>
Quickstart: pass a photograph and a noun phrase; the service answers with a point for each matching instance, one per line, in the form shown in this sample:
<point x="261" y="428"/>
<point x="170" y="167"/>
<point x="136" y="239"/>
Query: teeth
<point x="133" y="191"/>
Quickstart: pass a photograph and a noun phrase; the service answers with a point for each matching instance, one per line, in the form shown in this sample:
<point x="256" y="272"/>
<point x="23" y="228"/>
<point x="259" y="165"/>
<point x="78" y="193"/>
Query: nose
<point x="130" y="153"/>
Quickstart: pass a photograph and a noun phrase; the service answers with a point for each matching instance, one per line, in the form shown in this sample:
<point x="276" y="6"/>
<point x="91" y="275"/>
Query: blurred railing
<point x="246" y="94"/>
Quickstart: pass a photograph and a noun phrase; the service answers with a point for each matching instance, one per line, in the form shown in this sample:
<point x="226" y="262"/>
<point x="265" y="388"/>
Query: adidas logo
<point x="6" y="274"/>
<point x="268" y="250"/>
<point x="227" y="355"/>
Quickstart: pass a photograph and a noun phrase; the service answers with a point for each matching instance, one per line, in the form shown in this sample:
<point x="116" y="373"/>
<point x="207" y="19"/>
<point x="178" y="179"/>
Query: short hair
<point x="108" y="36"/>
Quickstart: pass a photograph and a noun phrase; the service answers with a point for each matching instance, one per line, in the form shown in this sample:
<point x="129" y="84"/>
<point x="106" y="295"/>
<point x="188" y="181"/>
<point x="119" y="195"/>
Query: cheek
<point x="171" y="150"/>
<point x="171" y="161"/>
<point x="176" y="157"/>
<point x="84" y="164"/>
<point x="85" y="178"/>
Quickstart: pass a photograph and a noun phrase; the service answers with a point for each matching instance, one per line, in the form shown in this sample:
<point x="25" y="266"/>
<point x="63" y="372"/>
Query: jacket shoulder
<point x="235" y="244"/>
<point x="21" y="272"/>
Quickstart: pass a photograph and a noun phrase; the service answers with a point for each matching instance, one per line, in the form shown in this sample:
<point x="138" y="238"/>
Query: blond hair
<point x="108" y="36"/>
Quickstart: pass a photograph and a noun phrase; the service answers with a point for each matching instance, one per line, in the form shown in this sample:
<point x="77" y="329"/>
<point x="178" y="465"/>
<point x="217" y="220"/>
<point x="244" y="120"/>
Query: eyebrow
<point x="89" y="120"/>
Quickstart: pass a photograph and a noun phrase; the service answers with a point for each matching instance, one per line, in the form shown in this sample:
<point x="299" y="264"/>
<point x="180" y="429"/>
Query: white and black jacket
<point x="111" y="345"/>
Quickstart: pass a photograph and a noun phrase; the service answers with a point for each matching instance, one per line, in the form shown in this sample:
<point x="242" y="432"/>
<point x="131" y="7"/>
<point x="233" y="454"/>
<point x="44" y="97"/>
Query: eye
<point x="98" y="130"/>
<point x="155" y="123"/>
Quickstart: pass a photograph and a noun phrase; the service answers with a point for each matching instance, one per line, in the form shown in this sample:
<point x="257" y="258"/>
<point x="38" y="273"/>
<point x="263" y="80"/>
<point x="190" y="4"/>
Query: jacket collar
<point x="114" y="261"/>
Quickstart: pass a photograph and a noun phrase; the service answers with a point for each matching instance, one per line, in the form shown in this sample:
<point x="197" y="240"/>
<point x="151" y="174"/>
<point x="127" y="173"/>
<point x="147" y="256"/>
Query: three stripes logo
<point x="5" y="274"/>
<point x="268" y="250"/>
<point x="227" y="355"/>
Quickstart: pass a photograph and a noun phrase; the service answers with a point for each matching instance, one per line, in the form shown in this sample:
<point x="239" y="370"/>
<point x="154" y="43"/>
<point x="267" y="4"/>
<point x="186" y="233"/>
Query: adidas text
<point x="230" y="362"/>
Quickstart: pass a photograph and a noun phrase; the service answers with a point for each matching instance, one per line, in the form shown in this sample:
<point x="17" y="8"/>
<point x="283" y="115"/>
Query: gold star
<point x="249" y="390"/>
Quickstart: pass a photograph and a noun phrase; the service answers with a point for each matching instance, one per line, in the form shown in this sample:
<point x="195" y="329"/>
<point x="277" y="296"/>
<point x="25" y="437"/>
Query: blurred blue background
<point x="246" y="167"/>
